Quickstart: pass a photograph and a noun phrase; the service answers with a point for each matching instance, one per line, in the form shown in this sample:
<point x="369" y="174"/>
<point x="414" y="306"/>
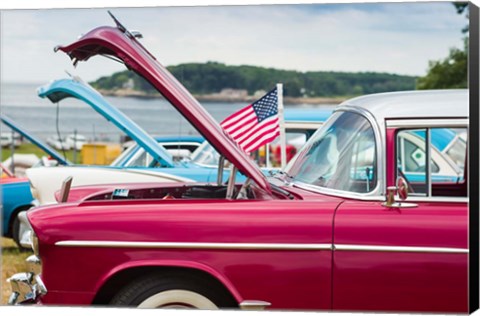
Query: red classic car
<point x="340" y="229"/>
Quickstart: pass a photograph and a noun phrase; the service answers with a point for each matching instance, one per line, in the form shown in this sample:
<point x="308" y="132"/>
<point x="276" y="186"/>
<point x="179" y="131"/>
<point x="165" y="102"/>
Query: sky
<point x="398" y="38"/>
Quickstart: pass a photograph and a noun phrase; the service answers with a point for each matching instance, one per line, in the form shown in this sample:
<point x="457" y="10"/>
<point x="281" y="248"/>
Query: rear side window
<point x="432" y="160"/>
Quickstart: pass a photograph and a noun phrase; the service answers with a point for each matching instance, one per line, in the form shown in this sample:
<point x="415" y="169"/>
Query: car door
<point x="411" y="257"/>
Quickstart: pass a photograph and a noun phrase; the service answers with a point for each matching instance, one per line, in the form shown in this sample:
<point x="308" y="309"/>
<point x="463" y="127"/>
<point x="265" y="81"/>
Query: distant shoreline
<point x="220" y="98"/>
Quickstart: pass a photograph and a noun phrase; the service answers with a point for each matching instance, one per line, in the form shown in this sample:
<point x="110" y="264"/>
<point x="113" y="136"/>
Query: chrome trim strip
<point x="254" y="305"/>
<point x="428" y="161"/>
<point x="425" y="122"/>
<point x="337" y="193"/>
<point x="192" y="245"/>
<point x="252" y="246"/>
<point x="437" y="199"/>
<point x="399" y="249"/>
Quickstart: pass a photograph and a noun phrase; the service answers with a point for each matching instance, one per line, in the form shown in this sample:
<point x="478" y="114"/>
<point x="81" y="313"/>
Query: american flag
<point x="256" y="124"/>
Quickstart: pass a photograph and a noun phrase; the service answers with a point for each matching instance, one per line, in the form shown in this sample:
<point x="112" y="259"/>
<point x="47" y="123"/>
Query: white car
<point x="75" y="141"/>
<point x="58" y="143"/>
<point x="6" y="140"/>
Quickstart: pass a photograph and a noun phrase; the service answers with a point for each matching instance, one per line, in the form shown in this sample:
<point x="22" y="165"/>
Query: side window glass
<point x="412" y="159"/>
<point x="443" y="175"/>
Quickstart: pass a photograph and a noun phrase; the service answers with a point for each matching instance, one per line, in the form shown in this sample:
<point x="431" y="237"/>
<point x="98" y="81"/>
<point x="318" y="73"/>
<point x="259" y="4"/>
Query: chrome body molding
<point x="337" y="193"/>
<point x="193" y="245"/>
<point x="253" y="246"/>
<point x="449" y="199"/>
<point x="252" y="305"/>
<point x="399" y="249"/>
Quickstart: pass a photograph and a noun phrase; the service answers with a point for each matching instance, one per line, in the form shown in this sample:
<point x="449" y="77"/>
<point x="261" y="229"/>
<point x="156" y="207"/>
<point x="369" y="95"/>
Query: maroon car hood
<point x="115" y="42"/>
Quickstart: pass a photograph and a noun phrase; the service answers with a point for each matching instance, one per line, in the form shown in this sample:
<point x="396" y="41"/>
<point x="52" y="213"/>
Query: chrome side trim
<point x="398" y="249"/>
<point x="192" y="245"/>
<point x="252" y="246"/>
<point x="254" y="305"/>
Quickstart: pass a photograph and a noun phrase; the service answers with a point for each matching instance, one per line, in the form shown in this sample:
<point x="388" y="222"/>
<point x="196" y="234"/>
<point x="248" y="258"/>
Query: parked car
<point x="15" y="194"/>
<point x="6" y="140"/>
<point x="75" y="141"/>
<point x="58" y="142"/>
<point x="179" y="147"/>
<point x="311" y="238"/>
<point x="146" y="162"/>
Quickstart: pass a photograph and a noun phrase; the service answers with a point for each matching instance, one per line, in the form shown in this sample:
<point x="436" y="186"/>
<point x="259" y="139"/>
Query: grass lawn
<point x="13" y="261"/>
<point x="28" y="148"/>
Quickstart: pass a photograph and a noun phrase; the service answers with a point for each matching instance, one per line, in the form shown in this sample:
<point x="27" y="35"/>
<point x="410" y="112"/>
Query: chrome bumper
<point x="27" y="287"/>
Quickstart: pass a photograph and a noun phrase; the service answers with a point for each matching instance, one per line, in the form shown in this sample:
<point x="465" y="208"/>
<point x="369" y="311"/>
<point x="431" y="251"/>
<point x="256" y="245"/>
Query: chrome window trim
<point x="376" y="194"/>
<point x="428" y="162"/>
<point x="426" y="123"/>
<point x="338" y="193"/>
<point x="193" y="245"/>
<point x="254" y="246"/>
<point x="303" y="125"/>
<point x="399" y="249"/>
<point x="437" y="199"/>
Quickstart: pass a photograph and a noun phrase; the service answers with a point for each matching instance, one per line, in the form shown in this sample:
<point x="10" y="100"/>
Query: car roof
<point x="414" y="104"/>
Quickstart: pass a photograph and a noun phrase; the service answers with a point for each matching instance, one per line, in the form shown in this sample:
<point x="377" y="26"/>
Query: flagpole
<point x="281" y="122"/>
<point x="267" y="156"/>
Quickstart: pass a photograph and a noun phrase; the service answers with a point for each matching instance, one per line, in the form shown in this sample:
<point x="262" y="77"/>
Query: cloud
<point x="390" y="37"/>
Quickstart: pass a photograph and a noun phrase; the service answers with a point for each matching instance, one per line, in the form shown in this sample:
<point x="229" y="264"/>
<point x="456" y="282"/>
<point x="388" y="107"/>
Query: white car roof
<point x="414" y="104"/>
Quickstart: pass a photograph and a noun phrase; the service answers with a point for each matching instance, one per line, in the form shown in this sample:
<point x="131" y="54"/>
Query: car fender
<point x="174" y="264"/>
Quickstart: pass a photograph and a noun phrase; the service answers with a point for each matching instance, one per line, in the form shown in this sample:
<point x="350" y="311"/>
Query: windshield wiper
<point x="281" y="175"/>
<point x="282" y="191"/>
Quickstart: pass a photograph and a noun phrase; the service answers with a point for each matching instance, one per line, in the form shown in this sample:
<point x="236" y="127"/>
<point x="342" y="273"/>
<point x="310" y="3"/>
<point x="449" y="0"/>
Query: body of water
<point x="157" y="116"/>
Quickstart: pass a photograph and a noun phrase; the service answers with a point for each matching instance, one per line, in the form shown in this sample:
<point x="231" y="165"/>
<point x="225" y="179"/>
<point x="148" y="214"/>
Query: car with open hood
<point x="16" y="196"/>
<point x="340" y="229"/>
<point x="148" y="160"/>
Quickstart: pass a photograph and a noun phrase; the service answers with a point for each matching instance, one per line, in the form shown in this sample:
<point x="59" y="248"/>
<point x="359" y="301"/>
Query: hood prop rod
<point x="221" y="164"/>
<point x="231" y="182"/>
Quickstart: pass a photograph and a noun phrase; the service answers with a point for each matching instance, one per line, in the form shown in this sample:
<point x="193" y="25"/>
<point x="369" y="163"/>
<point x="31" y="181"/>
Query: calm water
<point x="21" y="103"/>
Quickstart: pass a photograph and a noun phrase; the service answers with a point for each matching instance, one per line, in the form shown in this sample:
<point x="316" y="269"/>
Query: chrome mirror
<point x="402" y="188"/>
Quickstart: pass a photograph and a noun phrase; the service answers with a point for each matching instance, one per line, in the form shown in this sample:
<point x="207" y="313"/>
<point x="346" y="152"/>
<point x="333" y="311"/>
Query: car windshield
<point x="126" y="154"/>
<point x="205" y="155"/>
<point x="340" y="155"/>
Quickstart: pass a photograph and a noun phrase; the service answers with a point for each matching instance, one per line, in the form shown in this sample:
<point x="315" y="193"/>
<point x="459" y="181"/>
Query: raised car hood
<point x="34" y="140"/>
<point x="120" y="43"/>
<point x="76" y="88"/>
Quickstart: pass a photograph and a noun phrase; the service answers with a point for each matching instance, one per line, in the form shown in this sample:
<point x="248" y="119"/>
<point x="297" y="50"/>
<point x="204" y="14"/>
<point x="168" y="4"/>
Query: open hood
<point x="76" y="88"/>
<point x="34" y="140"/>
<point x="120" y="43"/>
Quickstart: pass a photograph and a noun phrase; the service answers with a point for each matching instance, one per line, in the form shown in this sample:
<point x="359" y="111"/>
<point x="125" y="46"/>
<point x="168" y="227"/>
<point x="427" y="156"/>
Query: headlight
<point x="28" y="238"/>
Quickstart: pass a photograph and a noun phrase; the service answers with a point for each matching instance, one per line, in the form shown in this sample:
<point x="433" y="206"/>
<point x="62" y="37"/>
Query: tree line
<point x="212" y="77"/>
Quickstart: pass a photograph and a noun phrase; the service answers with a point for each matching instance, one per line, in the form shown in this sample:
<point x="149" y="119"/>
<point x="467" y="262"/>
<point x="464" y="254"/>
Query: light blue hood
<point x="76" y="88"/>
<point x="34" y="140"/>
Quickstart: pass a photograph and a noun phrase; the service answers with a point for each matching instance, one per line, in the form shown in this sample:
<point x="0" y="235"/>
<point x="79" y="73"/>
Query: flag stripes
<point x="256" y="124"/>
